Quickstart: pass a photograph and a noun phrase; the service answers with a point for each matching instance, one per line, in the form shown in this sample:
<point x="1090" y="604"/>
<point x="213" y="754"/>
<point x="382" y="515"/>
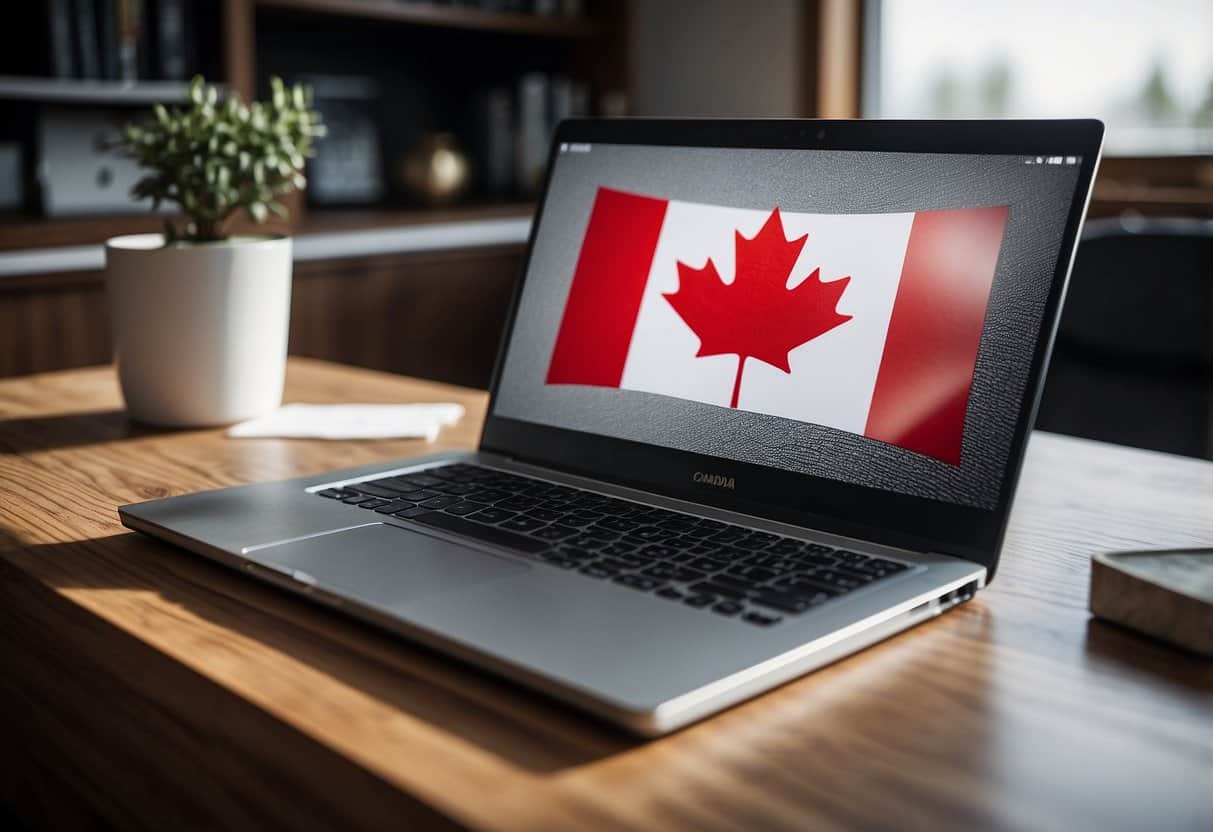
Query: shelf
<point x="63" y="246"/>
<point x="78" y="91"/>
<point x="452" y="17"/>
<point x="319" y="220"/>
<point x="26" y="232"/>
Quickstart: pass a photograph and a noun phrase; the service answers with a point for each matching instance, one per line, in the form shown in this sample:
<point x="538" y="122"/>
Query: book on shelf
<point x="121" y="40"/>
<point x="495" y="140"/>
<point x="532" y="131"/>
<point x="59" y="21"/>
<point x="131" y="45"/>
<point x="108" y="29"/>
<point x="88" y="57"/>
<point x="173" y="52"/>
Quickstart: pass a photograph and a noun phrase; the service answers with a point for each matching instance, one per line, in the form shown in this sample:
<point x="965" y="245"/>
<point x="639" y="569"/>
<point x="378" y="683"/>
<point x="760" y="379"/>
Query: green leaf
<point x="214" y="157"/>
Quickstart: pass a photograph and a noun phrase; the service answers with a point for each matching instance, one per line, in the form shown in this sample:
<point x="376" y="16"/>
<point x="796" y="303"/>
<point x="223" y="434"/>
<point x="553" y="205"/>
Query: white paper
<point x="351" y="421"/>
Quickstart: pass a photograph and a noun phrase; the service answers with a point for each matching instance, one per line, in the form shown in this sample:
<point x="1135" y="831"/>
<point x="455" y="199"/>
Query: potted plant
<point x="200" y="317"/>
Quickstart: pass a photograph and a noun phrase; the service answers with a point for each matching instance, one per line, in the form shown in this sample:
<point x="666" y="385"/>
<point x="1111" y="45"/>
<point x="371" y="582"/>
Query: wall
<point x="716" y="57"/>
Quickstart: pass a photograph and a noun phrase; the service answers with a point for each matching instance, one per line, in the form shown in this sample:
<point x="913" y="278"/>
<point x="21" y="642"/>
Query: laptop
<point x="761" y="401"/>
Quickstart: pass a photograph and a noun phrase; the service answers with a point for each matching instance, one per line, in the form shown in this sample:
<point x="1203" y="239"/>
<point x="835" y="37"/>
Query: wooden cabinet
<point x="437" y="315"/>
<point x="433" y="314"/>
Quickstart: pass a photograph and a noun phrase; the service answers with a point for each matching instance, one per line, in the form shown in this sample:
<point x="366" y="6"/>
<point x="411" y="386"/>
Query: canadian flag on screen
<point x="868" y="323"/>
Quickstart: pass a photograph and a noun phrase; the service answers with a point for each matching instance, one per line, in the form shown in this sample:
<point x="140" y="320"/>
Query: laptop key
<point x="491" y="515"/>
<point x="659" y="550"/>
<point x="816" y="559"/>
<point x="708" y="588"/>
<point x="734" y="581"/>
<point x="355" y="499"/>
<point x="641" y="582"/>
<point x="522" y="523"/>
<point x="463" y="507"/>
<point x="440" y="502"/>
<point x="410" y="513"/>
<point x="707" y="564"/>
<point x="619" y="524"/>
<point x="333" y="493"/>
<point x="597" y="570"/>
<point x="373" y="490"/>
<point x="851" y="557"/>
<point x="478" y="531"/>
<point x="838" y="580"/>
<point x="754" y="573"/>
<point x="858" y="571"/>
<point x="545" y="514"/>
<point x="800" y="585"/>
<point x="557" y="559"/>
<point x="586" y="541"/>
<point x="729" y="608"/>
<point x="397" y="484"/>
<point x="373" y="504"/>
<point x="620" y="548"/>
<point x="554" y="532"/>
<point x="670" y="572"/>
<point x="670" y="593"/>
<point x="424" y="480"/>
<point x="782" y="601"/>
<point x="395" y="506"/>
<point x="488" y="495"/>
<point x="699" y="601"/>
<point x="761" y="619"/>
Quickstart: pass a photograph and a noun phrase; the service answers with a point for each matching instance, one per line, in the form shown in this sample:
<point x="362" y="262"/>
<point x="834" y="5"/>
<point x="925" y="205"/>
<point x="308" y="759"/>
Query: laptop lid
<point x="841" y="325"/>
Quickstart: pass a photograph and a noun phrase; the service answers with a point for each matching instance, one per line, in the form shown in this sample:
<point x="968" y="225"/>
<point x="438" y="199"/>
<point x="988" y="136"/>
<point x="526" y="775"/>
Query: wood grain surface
<point x="145" y="688"/>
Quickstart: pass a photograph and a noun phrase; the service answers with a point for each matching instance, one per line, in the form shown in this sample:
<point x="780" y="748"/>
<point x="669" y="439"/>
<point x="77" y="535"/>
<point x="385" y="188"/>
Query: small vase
<point x="200" y="330"/>
<point x="436" y="171"/>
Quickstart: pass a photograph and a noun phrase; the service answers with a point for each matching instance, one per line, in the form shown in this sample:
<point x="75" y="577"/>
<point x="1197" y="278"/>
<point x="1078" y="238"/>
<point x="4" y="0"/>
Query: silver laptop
<point x="761" y="402"/>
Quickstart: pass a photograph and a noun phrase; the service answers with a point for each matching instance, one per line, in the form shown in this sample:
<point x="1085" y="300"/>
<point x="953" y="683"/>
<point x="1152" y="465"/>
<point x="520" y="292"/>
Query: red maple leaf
<point x="757" y="316"/>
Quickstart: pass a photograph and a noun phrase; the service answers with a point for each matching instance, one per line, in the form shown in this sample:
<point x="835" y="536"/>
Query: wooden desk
<point x="142" y="686"/>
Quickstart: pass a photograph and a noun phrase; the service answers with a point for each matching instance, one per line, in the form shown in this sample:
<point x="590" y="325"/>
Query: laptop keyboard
<point x="734" y="571"/>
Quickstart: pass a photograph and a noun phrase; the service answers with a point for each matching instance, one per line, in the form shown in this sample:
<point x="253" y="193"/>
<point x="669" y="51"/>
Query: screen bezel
<point x="863" y="512"/>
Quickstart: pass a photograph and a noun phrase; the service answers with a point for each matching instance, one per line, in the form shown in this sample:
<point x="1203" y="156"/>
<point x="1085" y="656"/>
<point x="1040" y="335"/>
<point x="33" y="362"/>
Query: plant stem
<point x="737" y="382"/>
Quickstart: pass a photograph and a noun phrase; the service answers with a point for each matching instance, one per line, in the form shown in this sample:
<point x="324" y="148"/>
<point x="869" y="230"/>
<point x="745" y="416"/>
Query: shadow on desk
<point x="71" y="430"/>
<point x="529" y="732"/>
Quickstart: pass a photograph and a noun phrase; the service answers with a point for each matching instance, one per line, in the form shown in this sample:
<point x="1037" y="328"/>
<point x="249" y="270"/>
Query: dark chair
<point x="1133" y="362"/>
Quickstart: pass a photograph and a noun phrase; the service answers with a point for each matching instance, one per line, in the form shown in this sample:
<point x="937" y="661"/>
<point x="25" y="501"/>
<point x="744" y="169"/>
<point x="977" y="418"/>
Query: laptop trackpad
<point x="387" y="565"/>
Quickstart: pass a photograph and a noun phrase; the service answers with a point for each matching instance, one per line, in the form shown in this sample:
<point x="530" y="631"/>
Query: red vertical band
<point x="926" y="372"/>
<point x="608" y="285"/>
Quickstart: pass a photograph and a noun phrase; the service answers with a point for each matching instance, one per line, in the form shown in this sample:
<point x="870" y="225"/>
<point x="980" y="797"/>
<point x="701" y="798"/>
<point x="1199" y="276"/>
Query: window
<point x="1144" y="68"/>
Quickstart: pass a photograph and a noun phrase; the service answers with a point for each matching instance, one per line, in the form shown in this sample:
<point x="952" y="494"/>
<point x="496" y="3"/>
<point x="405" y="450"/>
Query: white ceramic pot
<point x="199" y="330"/>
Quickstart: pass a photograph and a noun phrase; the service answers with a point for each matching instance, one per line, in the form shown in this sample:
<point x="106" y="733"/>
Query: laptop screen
<point x="866" y="317"/>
